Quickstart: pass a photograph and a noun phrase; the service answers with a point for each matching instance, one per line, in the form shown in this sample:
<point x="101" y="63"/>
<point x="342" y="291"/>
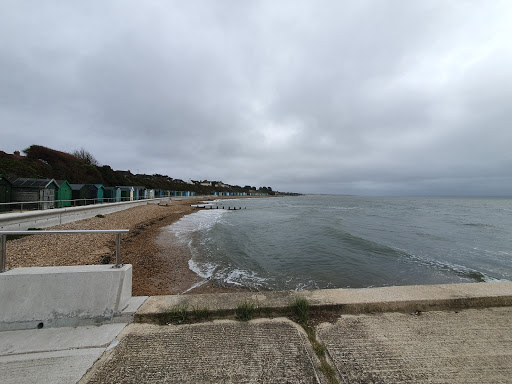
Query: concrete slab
<point x="259" y="351"/>
<point x="343" y="301"/>
<point x="469" y="346"/>
<point x="57" y="339"/>
<point x="53" y="355"/>
<point x="61" y="367"/>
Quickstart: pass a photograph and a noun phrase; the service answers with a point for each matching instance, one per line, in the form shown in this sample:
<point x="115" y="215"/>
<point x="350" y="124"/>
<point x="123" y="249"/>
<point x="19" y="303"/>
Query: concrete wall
<point x="42" y="219"/>
<point x="63" y="296"/>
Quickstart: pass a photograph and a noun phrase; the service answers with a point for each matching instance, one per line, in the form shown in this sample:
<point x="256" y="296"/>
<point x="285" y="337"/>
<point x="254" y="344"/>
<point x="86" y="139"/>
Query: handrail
<point x="3" y="241"/>
<point x="75" y="202"/>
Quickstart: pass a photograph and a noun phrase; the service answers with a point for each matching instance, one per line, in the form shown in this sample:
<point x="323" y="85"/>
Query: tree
<point x="85" y="156"/>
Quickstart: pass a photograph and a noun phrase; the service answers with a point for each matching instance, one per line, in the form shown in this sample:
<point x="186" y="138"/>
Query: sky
<point x="384" y="97"/>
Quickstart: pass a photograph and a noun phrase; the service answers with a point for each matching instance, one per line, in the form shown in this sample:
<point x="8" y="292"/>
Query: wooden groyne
<point x="210" y="206"/>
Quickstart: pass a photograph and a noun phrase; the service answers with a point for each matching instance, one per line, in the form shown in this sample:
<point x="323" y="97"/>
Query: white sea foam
<point x="199" y="221"/>
<point x="244" y="278"/>
<point x="205" y="270"/>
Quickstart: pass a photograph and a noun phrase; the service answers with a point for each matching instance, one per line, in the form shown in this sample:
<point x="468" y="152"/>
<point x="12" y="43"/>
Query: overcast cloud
<point x="352" y="97"/>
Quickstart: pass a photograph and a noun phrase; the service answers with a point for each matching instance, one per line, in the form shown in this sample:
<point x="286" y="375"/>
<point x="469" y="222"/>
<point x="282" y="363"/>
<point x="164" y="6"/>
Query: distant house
<point x="63" y="194"/>
<point x="39" y="191"/>
<point x="124" y="173"/>
<point x="5" y="192"/>
<point x="206" y="183"/>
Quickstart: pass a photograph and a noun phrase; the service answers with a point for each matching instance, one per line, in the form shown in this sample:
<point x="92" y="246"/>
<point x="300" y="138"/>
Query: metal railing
<point x="52" y="204"/>
<point x="4" y="234"/>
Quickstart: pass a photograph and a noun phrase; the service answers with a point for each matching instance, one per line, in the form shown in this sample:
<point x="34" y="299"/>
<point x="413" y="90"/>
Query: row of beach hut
<point x="51" y="193"/>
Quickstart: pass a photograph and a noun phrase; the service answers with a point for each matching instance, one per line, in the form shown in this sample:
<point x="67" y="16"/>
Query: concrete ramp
<point x="259" y="351"/>
<point x="469" y="346"/>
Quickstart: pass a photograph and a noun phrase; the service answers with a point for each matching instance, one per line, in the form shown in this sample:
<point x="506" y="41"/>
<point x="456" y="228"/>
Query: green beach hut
<point x="101" y="192"/>
<point x="63" y="194"/>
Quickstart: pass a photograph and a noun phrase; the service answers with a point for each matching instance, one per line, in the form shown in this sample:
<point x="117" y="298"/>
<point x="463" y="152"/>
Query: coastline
<point x="160" y="267"/>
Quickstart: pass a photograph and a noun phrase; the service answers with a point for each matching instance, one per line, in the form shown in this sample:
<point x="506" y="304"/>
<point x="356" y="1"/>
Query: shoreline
<point x="160" y="266"/>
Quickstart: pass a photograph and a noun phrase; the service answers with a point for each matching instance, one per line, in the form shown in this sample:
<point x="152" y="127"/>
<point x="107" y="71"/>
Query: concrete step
<point x="164" y="309"/>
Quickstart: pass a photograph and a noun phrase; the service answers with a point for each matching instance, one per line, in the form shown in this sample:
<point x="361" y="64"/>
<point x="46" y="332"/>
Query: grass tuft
<point x="101" y="216"/>
<point x="180" y="313"/>
<point x="301" y="307"/>
<point x="245" y="310"/>
<point x="200" y="313"/>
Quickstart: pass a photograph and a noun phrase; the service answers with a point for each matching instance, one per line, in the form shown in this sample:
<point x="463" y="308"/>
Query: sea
<point x="318" y="241"/>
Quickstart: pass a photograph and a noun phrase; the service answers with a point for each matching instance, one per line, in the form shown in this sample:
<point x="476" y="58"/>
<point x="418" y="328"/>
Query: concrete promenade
<point x="21" y="221"/>
<point x="458" y="333"/>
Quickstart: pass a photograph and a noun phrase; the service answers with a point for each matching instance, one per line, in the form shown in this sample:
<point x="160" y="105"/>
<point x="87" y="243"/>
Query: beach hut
<point x="101" y="192"/>
<point x="39" y="192"/>
<point x="80" y="194"/>
<point x="139" y="192"/>
<point x="127" y="193"/>
<point x="63" y="194"/>
<point x="111" y="194"/>
<point x="92" y="193"/>
<point x="5" y="192"/>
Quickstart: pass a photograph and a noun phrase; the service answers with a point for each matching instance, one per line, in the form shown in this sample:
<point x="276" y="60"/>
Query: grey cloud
<point x="362" y="97"/>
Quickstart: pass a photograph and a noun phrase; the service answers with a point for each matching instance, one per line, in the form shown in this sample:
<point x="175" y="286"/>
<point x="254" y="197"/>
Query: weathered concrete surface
<point x="259" y="351"/>
<point x="342" y="301"/>
<point x="63" y="296"/>
<point x="469" y="346"/>
<point x="56" y="355"/>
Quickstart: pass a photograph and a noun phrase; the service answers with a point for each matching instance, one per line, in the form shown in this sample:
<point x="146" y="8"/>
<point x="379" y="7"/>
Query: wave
<point x="455" y="269"/>
<point x="338" y="208"/>
<point x="481" y="225"/>
<point x="200" y="221"/>
<point x="360" y="244"/>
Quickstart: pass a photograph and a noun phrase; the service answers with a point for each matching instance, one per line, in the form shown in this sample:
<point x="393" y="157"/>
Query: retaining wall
<point x="63" y="296"/>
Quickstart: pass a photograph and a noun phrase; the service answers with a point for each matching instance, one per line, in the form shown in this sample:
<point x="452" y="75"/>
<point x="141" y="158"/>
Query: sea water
<point x="312" y="242"/>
